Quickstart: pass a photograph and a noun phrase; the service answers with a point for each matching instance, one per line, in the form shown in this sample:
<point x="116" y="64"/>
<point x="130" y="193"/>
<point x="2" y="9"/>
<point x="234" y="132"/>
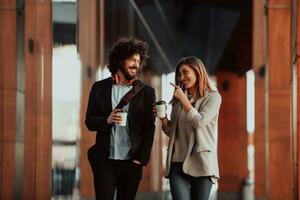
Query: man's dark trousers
<point x="123" y="175"/>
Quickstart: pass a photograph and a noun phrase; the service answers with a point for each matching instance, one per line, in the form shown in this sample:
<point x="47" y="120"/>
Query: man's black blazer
<point x="140" y="120"/>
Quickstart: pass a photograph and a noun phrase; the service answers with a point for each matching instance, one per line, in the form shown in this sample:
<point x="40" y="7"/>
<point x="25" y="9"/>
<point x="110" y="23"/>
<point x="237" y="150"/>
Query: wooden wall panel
<point x="1" y="161"/>
<point x="279" y="112"/>
<point x="258" y="30"/>
<point x="279" y="48"/>
<point x="280" y="171"/>
<point x="29" y="183"/>
<point x="37" y="148"/>
<point x="88" y="32"/>
<point x="260" y="139"/>
<point x="87" y="140"/>
<point x="153" y="173"/>
<point x="1" y="102"/>
<point x="83" y="31"/>
<point x="280" y="103"/>
<point x="30" y="103"/>
<point x="86" y="176"/>
<point x="1" y="123"/>
<point x="8" y="61"/>
<point x="298" y="92"/>
<point x="279" y="3"/>
<point x="43" y="185"/>
<point x="9" y="116"/>
<point x="158" y="161"/>
<point x="4" y="4"/>
<point x="44" y="108"/>
<point x="258" y="61"/>
<point x="38" y="101"/>
<point x="8" y="169"/>
<point x="233" y="137"/>
<point x="8" y="98"/>
<point x="9" y="49"/>
<point x="87" y="36"/>
<point x="281" y="186"/>
<point x="1" y="67"/>
<point x="298" y="121"/>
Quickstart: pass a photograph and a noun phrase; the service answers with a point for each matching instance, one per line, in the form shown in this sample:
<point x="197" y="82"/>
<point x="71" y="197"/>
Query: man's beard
<point x="127" y="75"/>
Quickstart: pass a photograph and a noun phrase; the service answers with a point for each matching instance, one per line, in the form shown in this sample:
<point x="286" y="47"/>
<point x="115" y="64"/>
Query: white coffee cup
<point x="161" y="109"/>
<point x="123" y="114"/>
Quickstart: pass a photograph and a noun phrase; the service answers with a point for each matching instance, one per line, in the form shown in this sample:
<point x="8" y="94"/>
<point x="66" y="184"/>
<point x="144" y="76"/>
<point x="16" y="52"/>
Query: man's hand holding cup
<point x="117" y="117"/>
<point x="160" y="109"/>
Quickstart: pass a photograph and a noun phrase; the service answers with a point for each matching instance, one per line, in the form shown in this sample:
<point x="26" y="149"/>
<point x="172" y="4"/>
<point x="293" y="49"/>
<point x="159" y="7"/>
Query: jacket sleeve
<point x="95" y="120"/>
<point x="167" y="132"/>
<point x="144" y="152"/>
<point x="208" y="111"/>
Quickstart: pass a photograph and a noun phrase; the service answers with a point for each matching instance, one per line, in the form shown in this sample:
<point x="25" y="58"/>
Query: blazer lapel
<point x="175" y="116"/>
<point x="198" y="105"/>
<point x="176" y="112"/>
<point x="107" y="93"/>
<point x="199" y="102"/>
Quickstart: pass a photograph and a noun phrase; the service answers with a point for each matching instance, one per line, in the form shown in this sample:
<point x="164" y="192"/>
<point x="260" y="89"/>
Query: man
<point x="121" y="152"/>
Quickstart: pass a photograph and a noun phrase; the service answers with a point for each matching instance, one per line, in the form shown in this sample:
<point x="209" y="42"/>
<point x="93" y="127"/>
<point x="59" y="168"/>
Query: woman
<point x="192" y="165"/>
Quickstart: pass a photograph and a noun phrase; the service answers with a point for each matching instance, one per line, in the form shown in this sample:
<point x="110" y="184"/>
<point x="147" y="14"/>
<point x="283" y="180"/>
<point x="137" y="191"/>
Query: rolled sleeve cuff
<point x="191" y="114"/>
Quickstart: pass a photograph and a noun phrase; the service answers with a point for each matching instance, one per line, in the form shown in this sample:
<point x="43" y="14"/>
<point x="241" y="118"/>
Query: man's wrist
<point x="137" y="162"/>
<point x="108" y="122"/>
<point x="162" y="119"/>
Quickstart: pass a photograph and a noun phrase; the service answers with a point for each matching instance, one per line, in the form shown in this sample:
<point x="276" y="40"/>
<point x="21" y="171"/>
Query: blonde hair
<point x="202" y="83"/>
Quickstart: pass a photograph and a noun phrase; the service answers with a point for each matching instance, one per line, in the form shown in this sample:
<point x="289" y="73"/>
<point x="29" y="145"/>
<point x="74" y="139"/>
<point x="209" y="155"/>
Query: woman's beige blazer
<point x="201" y="159"/>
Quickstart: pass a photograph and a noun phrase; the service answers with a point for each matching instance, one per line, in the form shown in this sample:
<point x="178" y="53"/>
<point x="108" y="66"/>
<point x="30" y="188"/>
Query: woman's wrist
<point x="187" y="106"/>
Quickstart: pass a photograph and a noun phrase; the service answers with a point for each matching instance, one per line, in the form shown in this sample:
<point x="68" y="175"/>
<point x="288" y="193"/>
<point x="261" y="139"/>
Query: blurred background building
<point x="51" y="52"/>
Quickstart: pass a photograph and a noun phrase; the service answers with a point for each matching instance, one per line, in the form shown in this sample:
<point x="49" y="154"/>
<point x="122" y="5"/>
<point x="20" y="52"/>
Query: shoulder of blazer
<point x="145" y="86"/>
<point x="103" y="83"/>
<point x="149" y="88"/>
<point x="214" y="94"/>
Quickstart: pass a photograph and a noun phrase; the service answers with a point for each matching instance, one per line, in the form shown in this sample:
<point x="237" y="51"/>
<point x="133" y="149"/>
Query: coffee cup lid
<point x="160" y="102"/>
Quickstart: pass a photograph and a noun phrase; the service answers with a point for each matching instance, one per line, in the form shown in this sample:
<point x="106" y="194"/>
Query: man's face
<point x="131" y="66"/>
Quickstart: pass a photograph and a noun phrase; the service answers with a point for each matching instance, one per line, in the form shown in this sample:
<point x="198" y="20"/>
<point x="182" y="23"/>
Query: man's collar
<point x="116" y="80"/>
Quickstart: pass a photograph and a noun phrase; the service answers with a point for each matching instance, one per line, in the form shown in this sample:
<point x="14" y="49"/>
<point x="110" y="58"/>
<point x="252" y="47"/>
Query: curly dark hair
<point x="125" y="48"/>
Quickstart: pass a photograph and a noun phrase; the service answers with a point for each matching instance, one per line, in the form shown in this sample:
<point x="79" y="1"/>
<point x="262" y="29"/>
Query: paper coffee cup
<point x="123" y="114"/>
<point x="161" y="109"/>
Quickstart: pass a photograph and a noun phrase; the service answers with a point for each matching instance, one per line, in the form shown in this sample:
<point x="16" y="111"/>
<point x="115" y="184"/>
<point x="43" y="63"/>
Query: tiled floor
<point x="246" y="194"/>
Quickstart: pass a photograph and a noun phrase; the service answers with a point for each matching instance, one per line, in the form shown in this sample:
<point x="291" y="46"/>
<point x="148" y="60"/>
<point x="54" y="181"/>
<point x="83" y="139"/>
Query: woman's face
<point x="187" y="76"/>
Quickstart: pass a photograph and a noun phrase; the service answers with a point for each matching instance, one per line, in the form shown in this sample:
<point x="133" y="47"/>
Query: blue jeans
<point x="186" y="187"/>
